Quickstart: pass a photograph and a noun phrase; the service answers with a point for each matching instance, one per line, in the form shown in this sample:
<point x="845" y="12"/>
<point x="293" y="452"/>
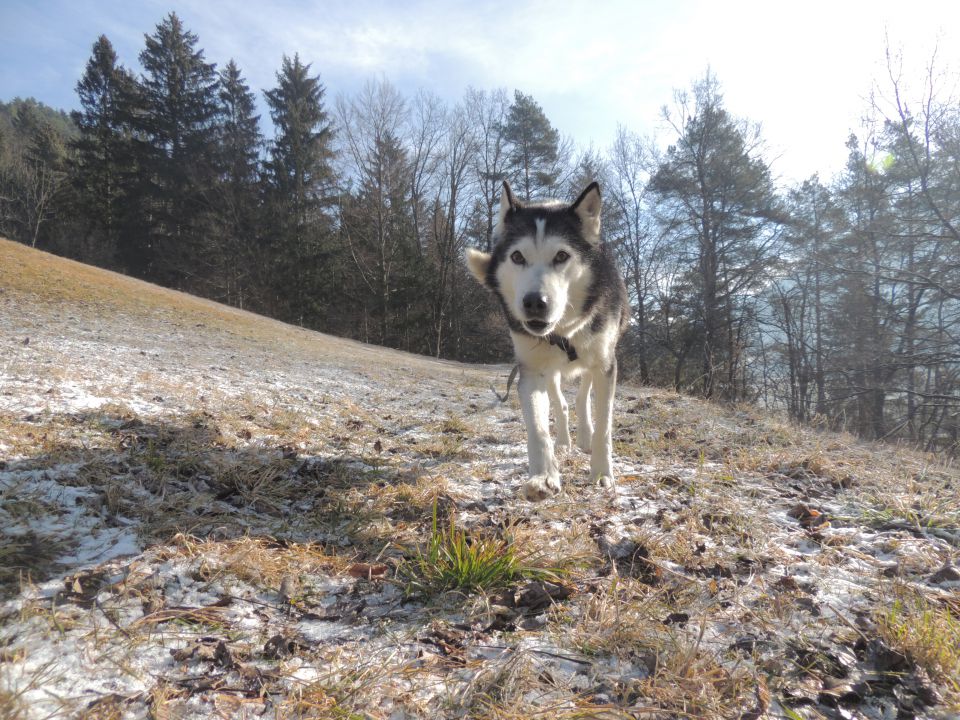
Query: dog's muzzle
<point x="535" y="307"/>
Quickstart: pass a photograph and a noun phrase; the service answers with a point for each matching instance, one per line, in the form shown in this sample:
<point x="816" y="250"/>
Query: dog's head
<point x="539" y="266"/>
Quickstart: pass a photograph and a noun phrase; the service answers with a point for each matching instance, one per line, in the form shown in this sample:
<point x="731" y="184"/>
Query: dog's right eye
<point x="517" y="257"/>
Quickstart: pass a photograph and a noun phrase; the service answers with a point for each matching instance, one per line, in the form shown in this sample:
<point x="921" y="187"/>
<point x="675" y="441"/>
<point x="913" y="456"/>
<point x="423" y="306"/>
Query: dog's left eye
<point x="517" y="257"/>
<point x="561" y="257"/>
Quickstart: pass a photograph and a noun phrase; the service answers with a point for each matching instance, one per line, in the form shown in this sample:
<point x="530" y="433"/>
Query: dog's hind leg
<point x="558" y="404"/>
<point x="535" y="402"/>
<point x="584" y="414"/>
<point x="601" y="458"/>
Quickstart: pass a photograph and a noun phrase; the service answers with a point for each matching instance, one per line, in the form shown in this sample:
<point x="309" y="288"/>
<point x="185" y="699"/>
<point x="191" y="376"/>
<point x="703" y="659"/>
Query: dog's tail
<point x="513" y="376"/>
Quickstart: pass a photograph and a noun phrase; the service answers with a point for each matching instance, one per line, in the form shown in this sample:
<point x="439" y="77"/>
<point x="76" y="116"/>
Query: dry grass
<point x="497" y="691"/>
<point x="315" y="702"/>
<point x="926" y="632"/>
<point x="618" y="619"/>
<point x="15" y="686"/>
<point x="573" y="552"/>
<point x="261" y="562"/>
<point x="55" y="280"/>
<point x="12" y="706"/>
<point x="922" y="500"/>
<point x="53" y="283"/>
<point x="268" y="496"/>
<point x="27" y="556"/>
<point x="680" y="673"/>
<point x="448" y="448"/>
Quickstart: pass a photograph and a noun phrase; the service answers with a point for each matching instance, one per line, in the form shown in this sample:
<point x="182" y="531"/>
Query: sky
<point x="806" y="71"/>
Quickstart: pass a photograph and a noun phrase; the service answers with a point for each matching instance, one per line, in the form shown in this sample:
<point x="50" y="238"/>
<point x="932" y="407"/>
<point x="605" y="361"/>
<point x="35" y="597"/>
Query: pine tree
<point x="533" y="148"/>
<point x="240" y="138"/>
<point x="100" y="163"/>
<point x="300" y="184"/>
<point x="236" y="204"/>
<point x="718" y="198"/>
<point x="864" y="318"/>
<point x="177" y="121"/>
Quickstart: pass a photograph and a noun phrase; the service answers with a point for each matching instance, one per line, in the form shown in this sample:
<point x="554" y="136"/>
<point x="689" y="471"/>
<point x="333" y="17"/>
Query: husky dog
<point x="566" y="306"/>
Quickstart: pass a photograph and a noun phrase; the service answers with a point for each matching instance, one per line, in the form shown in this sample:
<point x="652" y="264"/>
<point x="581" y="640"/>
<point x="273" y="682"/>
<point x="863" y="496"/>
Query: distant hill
<point x="206" y="513"/>
<point x="59" y="119"/>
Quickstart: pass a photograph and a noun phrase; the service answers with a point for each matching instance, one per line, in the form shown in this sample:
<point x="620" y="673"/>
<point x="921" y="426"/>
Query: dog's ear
<point x="587" y="208"/>
<point x="478" y="263"/>
<point x="507" y="202"/>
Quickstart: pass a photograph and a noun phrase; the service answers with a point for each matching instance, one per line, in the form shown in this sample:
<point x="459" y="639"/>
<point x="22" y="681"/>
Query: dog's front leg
<point x="561" y="420"/>
<point x="601" y="452"/>
<point x="584" y="414"/>
<point x="534" y="399"/>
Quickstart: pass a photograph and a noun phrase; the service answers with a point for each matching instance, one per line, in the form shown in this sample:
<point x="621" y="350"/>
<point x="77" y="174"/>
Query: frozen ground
<point x="204" y="513"/>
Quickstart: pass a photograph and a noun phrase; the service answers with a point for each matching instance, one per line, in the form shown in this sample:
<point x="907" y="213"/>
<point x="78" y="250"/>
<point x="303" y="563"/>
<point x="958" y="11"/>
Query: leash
<point x="554" y="339"/>
<point x="513" y="376"/>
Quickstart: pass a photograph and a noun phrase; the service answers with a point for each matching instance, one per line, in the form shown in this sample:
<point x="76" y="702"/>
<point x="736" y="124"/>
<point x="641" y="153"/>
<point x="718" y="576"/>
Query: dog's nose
<point x="535" y="305"/>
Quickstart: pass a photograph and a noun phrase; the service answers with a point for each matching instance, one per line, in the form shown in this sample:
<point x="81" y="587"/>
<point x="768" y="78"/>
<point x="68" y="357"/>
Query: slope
<point x="206" y="513"/>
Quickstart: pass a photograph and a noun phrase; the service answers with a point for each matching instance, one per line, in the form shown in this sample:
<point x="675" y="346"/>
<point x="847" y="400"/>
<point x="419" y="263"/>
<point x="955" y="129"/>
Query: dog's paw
<point x="563" y="445"/>
<point x="606" y="482"/>
<point x="540" y="487"/>
<point x="584" y="442"/>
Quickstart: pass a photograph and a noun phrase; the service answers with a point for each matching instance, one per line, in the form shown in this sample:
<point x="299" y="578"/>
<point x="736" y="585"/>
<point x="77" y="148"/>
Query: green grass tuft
<point x="457" y="560"/>
<point x="928" y="634"/>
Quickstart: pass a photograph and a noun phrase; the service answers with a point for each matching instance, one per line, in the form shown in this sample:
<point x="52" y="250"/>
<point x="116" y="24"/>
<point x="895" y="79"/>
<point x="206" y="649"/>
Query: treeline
<point x="351" y="218"/>
<point x="836" y="299"/>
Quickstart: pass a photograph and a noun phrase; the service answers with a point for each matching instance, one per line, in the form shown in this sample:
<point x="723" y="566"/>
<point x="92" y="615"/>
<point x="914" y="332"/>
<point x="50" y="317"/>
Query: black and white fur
<point x="566" y="306"/>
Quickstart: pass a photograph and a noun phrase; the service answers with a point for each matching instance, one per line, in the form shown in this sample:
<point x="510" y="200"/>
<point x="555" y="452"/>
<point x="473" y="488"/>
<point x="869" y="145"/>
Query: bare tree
<point x="30" y="180"/>
<point x="450" y="217"/>
<point x="425" y="136"/>
<point x="922" y="133"/>
<point x="629" y="228"/>
<point x="487" y="114"/>
<point x="373" y="220"/>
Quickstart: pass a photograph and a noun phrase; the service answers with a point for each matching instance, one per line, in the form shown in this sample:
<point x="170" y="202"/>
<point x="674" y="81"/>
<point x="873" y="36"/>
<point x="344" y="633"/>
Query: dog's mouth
<point x="537" y="327"/>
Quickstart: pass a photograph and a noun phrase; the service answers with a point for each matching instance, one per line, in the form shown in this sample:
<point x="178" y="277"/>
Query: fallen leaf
<point x="539" y="595"/>
<point x="809" y="518"/>
<point x="787" y="583"/>
<point x="762" y="695"/>
<point x="277" y="647"/>
<point x="365" y="570"/>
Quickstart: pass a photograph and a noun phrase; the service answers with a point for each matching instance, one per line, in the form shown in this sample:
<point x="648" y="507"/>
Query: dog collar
<point x="564" y="344"/>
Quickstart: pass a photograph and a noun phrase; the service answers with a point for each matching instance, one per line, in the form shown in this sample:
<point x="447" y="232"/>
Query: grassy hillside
<point x="205" y="513"/>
